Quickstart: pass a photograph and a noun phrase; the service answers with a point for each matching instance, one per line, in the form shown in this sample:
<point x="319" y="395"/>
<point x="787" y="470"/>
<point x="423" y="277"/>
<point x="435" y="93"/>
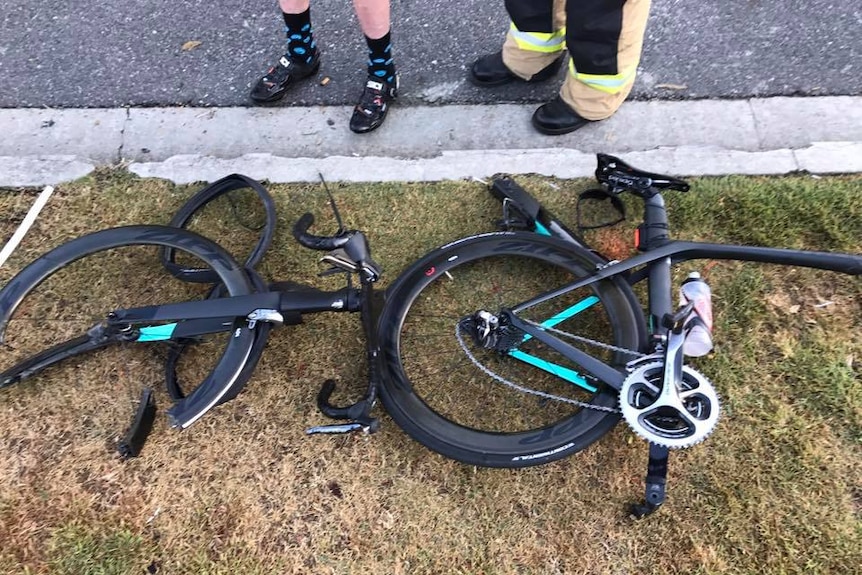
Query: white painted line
<point x="29" y="219"/>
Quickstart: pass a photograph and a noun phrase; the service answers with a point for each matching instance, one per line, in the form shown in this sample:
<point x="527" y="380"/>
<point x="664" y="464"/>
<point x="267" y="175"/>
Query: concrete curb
<point x="687" y="138"/>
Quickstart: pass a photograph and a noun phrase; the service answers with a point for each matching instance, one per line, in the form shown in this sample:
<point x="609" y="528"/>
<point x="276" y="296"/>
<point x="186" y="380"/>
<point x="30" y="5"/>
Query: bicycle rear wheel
<point x="469" y="403"/>
<point x="48" y="310"/>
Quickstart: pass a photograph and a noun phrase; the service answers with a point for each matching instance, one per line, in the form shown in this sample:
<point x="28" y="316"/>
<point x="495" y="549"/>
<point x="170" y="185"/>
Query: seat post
<point x="655" y="230"/>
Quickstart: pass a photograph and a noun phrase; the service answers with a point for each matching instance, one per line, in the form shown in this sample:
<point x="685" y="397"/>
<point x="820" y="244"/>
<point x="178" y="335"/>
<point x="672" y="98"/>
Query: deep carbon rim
<point x="488" y="448"/>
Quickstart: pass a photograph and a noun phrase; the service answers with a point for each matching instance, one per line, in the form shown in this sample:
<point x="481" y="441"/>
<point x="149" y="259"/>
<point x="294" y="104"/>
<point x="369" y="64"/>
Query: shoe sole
<point x="355" y="131"/>
<point x="372" y="128"/>
<point x="477" y="82"/>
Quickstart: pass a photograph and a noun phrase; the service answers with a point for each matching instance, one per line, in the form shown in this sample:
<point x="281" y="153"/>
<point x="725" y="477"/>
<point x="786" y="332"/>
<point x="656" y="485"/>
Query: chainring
<point x="677" y="422"/>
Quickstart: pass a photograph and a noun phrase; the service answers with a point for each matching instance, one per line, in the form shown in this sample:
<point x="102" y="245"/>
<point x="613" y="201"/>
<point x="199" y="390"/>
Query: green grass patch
<point x="776" y="489"/>
<point x="77" y="550"/>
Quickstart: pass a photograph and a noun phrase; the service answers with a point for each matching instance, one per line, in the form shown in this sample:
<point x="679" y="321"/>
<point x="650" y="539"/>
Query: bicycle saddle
<point x="620" y="177"/>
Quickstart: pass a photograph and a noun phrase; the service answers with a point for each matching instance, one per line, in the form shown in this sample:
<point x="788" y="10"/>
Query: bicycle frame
<point x="277" y="307"/>
<point x="654" y="264"/>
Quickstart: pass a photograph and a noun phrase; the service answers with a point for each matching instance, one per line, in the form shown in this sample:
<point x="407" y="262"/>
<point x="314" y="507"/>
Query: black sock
<point x="380" y="58"/>
<point x="300" y="40"/>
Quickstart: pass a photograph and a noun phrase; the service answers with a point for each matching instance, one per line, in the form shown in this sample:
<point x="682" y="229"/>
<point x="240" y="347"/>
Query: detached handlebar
<point x="349" y="249"/>
<point x="313" y="242"/>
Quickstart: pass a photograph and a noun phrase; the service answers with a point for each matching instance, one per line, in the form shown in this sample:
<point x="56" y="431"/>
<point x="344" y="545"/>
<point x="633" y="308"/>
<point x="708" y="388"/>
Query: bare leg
<point x="373" y="16"/>
<point x="301" y="60"/>
<point x="293" y="6"/>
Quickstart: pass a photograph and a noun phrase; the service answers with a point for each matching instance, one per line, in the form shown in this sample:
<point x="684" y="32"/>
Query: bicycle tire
<point x="445" y="282"/>
<point x="198" y="202"/>
<point x="228" y="368"/>
<point x="262" y="331"/>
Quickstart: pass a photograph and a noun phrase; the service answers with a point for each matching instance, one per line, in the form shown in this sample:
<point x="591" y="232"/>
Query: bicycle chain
<point x="522" y="389"/>
<point x="586" y="340"/>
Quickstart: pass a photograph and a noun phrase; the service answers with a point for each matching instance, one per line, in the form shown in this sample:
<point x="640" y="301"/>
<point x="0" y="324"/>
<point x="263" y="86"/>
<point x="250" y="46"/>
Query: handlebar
<point x="349" y="249"/>
<point x="313" y="242"/>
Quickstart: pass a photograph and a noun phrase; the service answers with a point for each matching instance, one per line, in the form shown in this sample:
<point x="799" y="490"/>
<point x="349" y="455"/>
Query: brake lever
<point x="340" y="260"/>
<point x="353" y="257"/>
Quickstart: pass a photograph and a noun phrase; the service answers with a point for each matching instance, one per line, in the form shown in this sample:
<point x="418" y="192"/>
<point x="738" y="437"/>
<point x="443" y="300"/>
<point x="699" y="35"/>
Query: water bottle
<point x="698" y="342"/>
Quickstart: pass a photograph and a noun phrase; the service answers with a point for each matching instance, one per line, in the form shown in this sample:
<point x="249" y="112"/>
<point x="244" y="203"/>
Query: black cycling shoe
<point x="556" y="118"/>
<point x="373" y="105"/>
<point x="280" y="77"/>
<point x="489" y="70"/>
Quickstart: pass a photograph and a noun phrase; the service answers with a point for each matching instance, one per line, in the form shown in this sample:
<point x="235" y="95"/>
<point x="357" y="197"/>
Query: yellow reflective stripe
<point x="539" y="41"/>
<point x="610" y="83"/>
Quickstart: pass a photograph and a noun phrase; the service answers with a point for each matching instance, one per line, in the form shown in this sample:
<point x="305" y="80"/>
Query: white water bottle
<point x="698" y="342"/>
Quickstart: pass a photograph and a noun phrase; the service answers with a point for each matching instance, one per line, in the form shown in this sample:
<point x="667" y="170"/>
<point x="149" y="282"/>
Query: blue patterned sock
<point x="300" y="40"/>
<point x="380" y="58"/>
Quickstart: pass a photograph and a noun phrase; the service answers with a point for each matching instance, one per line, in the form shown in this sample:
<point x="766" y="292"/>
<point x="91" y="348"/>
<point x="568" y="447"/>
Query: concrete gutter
<point x="687" y="138"/>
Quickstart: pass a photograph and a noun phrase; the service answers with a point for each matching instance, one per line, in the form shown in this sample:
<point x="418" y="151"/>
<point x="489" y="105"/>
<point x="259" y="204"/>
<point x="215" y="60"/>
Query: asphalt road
<point x="76" y="53"/>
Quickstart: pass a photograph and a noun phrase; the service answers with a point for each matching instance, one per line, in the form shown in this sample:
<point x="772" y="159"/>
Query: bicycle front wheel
<point x="520" y="407"/>
<point x="49" y="311"/>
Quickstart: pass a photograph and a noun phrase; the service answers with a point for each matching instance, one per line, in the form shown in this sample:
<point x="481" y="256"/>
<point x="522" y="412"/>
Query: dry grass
<point x="778" y="489"/>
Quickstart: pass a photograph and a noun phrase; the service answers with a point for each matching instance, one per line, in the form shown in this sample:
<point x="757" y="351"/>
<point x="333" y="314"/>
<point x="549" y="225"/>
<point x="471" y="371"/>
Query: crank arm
<point x="656" y="481"/>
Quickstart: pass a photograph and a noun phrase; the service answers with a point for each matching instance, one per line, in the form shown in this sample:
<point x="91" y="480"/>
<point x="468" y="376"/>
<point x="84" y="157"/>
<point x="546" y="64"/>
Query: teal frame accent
<point x="542" y="230"/>
<point x="564" y="373"/>
<point x="157" y="332"/>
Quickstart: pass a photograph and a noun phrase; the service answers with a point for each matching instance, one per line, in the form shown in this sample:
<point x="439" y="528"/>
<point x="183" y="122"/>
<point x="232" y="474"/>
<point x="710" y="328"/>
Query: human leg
<point x="301" y="60"/>
<point x="297" y="29"/>
<point x="373" y="16"/>
<point x="605" y="45"/>
<point x="536" y="36"/>
<point x="381" y="86"/>
<point x="533" y="49"/>
<point x="374" y="19"/>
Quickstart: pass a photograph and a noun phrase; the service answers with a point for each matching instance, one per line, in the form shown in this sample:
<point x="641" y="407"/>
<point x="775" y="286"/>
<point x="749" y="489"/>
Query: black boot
<point x="490" y="71"/>
<point x="284" y="74"/>
<point x="556" y="117"/>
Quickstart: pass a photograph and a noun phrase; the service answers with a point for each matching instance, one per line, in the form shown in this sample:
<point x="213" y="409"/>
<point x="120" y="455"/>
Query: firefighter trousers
<point x="604" y="39"/>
